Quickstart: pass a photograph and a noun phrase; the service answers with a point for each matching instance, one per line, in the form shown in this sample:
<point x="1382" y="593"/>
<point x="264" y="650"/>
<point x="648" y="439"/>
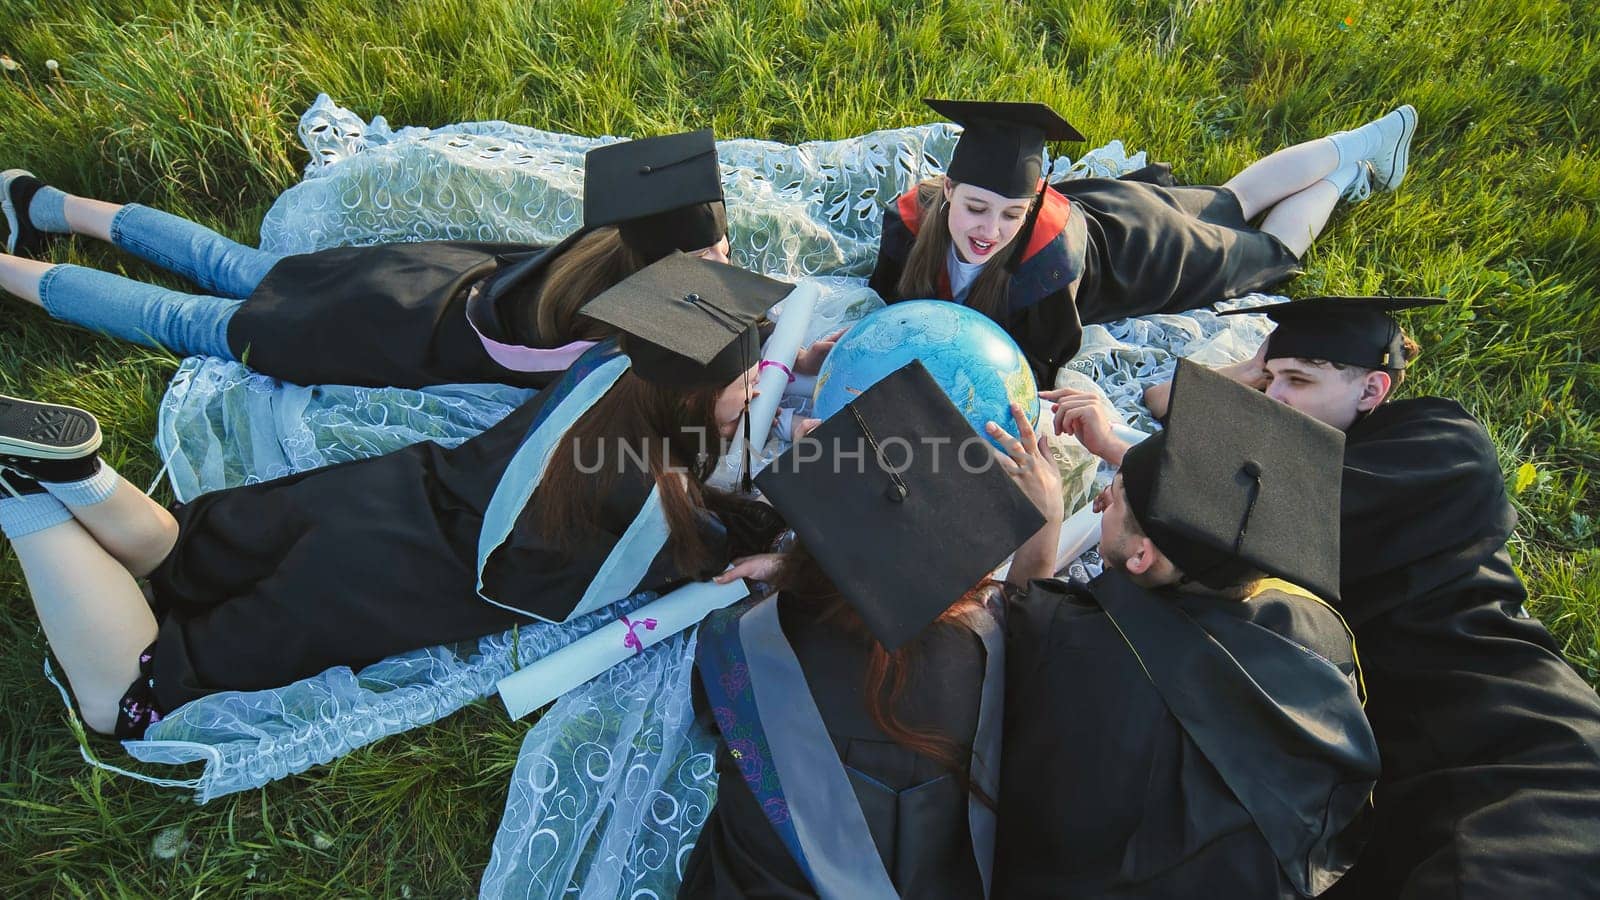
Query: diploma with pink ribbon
<point x="777" y="370"/>
<point x="543" y="680"/>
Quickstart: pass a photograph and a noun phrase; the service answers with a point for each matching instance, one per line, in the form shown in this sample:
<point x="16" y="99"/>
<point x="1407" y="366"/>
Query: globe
<point x="979" y="366"/>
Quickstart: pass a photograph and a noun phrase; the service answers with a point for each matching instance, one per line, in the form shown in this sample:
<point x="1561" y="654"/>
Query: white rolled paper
<point x="543" y="680"/>
<point x="781" y="350"/>
<point x="1079" y="532"/>
<point x="1127" y="433"/>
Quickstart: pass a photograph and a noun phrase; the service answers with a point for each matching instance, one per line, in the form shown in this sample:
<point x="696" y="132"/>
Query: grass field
<point x="191" y="108"/>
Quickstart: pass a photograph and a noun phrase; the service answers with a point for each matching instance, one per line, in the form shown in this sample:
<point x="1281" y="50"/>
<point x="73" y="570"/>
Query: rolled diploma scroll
<point x="545" y="679"/>
<point x="782" y="349"/>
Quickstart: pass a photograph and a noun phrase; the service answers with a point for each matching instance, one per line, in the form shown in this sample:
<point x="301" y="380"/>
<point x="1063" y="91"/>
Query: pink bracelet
<point x="777" y="365"/>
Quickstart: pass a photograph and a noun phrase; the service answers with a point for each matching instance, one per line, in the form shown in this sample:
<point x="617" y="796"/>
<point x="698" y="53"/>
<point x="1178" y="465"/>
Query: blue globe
<point x="979" y="366"/>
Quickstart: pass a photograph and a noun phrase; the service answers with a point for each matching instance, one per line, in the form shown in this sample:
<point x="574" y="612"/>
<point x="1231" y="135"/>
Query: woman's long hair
<point x="594" y="263"/>
<point x="671" y="431"/>
<point x="807" y="590"/>
<point x="925" y="265"/>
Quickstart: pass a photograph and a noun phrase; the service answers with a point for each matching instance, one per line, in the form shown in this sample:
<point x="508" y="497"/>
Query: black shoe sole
<point x="46" y="431"/>
<point x="22" y="239"/>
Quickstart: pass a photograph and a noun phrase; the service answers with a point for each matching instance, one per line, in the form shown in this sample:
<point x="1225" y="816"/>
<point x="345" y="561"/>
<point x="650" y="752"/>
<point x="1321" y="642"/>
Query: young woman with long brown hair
<point x="385" y="315"/>
<point x="857" y="709"/>
<point x="1044" y="260"/>
<point x="256" y="586"/>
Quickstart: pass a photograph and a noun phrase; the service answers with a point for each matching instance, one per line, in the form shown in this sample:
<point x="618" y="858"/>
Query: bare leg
<point x="20" y="277"/>
<point x="93" y="614"/>
<point x="1271" y="179"/>
<point x="133" y="529"/>
<point x="1299" y="218"/>
<point x="91" y="217"/>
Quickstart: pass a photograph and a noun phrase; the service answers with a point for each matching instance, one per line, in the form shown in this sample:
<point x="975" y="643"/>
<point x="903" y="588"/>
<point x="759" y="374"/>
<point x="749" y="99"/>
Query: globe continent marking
<point x="977" y="364"/>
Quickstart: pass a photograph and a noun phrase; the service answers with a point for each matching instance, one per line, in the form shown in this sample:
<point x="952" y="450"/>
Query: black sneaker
<point x="17" y="187"/>
<point x="48" y="441"/>
<point x="16" y="484"/>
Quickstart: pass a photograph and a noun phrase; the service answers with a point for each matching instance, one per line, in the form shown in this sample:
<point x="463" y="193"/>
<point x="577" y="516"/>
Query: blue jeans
<point x="186" y="324"/>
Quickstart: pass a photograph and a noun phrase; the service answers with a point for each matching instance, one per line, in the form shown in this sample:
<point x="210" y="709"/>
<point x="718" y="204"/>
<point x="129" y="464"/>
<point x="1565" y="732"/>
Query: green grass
<point x="192" y="107"/>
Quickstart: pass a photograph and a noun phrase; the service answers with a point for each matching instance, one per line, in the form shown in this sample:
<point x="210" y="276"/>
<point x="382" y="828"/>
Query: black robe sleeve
<point x="1424" y="505"/>
<point x="1490" y="741"/>
<point x="385" y="315"/>
<point x="893" y="250"/>
<point x="547" y="577"/>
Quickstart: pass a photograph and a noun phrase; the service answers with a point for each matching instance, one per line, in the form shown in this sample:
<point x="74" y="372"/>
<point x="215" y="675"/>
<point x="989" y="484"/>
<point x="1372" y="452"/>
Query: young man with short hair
<point x="1176" y="727"/>
<point x="1490" y="741"/>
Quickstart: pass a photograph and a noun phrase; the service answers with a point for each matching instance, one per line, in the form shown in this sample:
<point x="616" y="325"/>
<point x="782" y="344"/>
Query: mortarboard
<point x="688" y="321"/>
<point x="1002" y="144"/>
<point x="663" y="194"/>
<point x="875" y="494"/>
<point x="1238" y="481"/>
<point x="1352" y="331"/>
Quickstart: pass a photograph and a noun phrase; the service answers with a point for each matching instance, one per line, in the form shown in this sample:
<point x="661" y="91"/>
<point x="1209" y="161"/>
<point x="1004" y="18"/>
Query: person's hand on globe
<point x="809" y="362"/>
<point x="1027" y="459"/>
<point x="1083" y="415"/>
<point x="803" y="427"/>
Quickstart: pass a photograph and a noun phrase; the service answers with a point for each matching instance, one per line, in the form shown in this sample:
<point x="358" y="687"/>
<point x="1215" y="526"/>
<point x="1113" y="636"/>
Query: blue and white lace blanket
<point x="612" y="784"/>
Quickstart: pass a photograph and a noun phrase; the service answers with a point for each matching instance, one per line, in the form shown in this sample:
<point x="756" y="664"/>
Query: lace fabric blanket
<point x="613" y="781"/>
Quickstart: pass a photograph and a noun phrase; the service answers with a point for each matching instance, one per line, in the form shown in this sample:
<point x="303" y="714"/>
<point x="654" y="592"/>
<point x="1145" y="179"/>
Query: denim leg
<point x="186" y="324"/>
<point x="194" y="251"/>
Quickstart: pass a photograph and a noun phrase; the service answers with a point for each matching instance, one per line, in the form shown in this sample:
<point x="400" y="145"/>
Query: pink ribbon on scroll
<point x="631" y="639"/>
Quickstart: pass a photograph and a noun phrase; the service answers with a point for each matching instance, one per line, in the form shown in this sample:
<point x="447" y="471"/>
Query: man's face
<point x="1117" y="540"/>
<point x="1329" y="395"/>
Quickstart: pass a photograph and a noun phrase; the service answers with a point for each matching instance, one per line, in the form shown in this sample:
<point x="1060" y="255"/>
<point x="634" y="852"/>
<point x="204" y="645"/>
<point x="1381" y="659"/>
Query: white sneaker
<point x="1383" y="144"/>
<point x="1387" y="164"/>
<point x="1361" y="187"/>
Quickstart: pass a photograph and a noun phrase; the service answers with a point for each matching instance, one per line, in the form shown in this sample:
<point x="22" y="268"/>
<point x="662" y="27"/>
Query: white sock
<point x="1354" y="146"/>
<point x="48" y="210"/>
<point x="97" y="488"/>
<point x="30" y="513"/>
<point x="1342" y="177"/>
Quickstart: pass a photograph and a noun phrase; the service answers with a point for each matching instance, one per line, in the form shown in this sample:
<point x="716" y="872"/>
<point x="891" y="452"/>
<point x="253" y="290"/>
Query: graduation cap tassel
<point x="1025" y="234"/>
<point x="897" y="490"/>
<point x="746" y="484"/>
<point x="1253" y="470"/>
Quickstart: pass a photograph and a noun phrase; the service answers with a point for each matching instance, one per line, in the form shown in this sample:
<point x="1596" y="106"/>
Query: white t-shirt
<point x="962" y="274"/>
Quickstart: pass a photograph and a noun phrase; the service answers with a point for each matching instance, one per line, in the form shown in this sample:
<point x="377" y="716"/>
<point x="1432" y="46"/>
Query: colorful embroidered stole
<point x="791" y="765"/>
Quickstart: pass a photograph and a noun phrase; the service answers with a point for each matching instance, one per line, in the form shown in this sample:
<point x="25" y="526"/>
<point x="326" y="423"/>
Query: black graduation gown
<point x="1142" y="245"/>
<point x="385" y="315"/>
<point x="923" y="838"/>
<point x="347" y="564"/>
<point x="1102" y="793"/>
<point x="1490" y="741"/>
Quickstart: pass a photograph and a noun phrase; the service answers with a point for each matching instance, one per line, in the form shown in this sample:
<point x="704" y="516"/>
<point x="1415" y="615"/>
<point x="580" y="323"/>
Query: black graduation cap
<point x="689" y="321"/>
<point x="898" y="502"/>
<point x="1352" y="331"/>
<point x="1238" y="481"/>
<point x="1002" y="144"/>
<point x="663" y="194"/>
